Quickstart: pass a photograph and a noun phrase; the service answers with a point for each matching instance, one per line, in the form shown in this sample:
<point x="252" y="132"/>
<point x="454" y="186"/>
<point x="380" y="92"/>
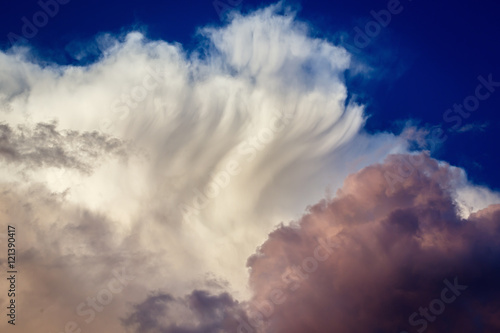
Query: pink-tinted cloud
<point x="372" y="258"/>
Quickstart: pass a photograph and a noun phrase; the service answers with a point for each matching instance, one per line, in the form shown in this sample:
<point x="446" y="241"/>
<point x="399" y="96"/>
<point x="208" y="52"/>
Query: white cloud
<point x="186" y="116"/>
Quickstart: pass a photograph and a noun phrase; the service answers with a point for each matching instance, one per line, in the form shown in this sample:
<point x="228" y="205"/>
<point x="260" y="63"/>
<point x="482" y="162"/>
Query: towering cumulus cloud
<point x="376" y="260"/>
<point x="141" y="184"/>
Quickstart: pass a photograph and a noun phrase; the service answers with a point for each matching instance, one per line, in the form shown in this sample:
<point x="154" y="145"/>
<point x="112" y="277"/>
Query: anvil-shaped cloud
<point x="155" y="173"/>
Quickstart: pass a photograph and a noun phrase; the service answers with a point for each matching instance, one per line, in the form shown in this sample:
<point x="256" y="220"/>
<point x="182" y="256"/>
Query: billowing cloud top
<point x="141" y="184"/>
<point x="376" y="260"/>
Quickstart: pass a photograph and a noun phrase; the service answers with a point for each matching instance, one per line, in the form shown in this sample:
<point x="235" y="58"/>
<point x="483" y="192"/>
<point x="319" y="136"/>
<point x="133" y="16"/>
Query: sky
<point x="241" y="166"/>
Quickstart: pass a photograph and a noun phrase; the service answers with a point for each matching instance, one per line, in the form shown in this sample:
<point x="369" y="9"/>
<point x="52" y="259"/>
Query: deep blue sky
<point x="427" y="59"/>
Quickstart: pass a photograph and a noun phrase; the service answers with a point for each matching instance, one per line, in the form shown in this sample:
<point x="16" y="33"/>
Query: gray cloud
<point x="198" y="312"/>
<point x="44" y="145"/>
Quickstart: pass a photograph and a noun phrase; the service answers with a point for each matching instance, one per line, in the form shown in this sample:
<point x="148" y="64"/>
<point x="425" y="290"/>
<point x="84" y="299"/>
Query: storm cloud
<point x="375" y="260"/>
<point x="151" y="176"/>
